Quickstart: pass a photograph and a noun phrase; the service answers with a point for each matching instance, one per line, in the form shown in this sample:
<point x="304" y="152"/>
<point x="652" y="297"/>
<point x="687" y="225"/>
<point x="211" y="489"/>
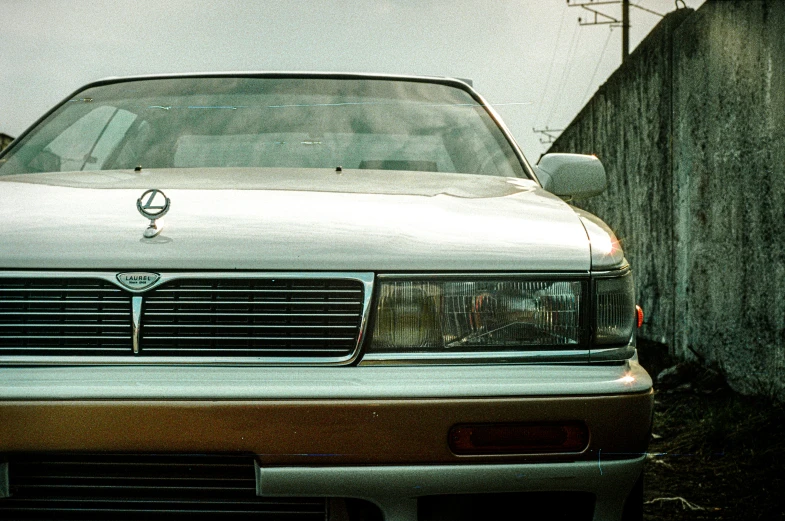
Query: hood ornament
<point x="153" y="204"/>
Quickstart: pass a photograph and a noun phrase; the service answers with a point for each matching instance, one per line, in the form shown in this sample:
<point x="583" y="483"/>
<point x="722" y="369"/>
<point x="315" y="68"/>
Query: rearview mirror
<point x="573" y="176"/>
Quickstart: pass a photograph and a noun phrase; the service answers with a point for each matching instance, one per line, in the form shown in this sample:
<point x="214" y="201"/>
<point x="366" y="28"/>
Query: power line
<point x="594" y="74"/>
<point x="601" y="17"/>
<point x="565" y="72"/>
<point x="550" y="68"/>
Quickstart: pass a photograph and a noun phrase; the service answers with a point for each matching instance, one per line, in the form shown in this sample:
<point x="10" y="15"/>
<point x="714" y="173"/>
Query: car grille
<point x="287" y="319"/>
<point x="73" y="316"/>
<point x="252" y="317"/>
<point x="139" y="486"/>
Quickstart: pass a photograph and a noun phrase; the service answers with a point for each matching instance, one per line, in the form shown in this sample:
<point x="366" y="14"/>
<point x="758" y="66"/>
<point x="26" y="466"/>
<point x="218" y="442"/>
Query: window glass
<point x="269" y="122"/>
<point x="72" y="147"/>
<point x="87" y="143"/>
<point x="112" y="135"/>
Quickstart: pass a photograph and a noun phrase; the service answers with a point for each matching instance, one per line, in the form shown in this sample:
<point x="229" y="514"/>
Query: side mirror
<point x="573" y="176"/>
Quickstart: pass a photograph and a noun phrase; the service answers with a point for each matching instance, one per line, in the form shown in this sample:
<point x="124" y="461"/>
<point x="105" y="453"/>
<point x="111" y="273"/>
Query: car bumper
<point x="376" y="433"/>
<point x="396" y="489"/>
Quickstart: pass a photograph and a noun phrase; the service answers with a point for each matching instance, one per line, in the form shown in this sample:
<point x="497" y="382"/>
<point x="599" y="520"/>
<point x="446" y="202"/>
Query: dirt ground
<point x="714" y="454"/>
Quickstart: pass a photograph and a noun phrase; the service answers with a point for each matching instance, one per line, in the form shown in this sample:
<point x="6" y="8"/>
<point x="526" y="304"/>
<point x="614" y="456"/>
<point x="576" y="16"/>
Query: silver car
<point x="309" y="296"/>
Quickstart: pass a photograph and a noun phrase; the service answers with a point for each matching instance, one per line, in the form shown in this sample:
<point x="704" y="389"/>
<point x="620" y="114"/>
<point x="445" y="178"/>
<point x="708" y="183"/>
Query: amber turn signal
<point x="519" y="438"/>
<point x="639" y="315"/>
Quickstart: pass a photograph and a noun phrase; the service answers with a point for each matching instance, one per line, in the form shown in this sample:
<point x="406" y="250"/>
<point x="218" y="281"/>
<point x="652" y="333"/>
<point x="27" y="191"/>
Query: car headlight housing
<point x="477" y="315"/>
<point x="506" y="314"/>
<point x="614" y="310"/>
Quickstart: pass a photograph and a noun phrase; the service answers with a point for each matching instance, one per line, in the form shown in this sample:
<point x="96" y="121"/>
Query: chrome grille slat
<point x="65" y="325"/>
<point x="252" y="291"/>
<point x="245" y="326"/>
<point x="103" y="349"/>
<point x="154" y="300"/>
<point x="250" y="338"/>
<point x="250" y="352"/>
<point x="73" y="337"/>
<point x="67" y="313"/>
<point x="218" y="315"/>
<point x="53" y="290"/>
<point x="119" y="300"/>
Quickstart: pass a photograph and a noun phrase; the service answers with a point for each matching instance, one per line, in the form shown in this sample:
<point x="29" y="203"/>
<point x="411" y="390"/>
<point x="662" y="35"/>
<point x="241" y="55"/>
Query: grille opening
<point x="528" y="506"/>
<point x="144" y="486"/>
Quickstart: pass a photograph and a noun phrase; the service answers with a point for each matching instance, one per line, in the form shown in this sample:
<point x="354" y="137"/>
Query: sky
<point x="530" y="59"/>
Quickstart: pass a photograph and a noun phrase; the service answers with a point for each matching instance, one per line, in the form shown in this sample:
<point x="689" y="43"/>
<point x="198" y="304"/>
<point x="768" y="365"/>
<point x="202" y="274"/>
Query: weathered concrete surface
<point x="729" y="174"/>
<point x="692" y="132"/>
<point x="5" y="140"/>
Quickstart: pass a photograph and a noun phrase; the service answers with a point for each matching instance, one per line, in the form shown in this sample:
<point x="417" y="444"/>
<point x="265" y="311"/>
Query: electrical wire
<point x="566" y="71"/>
<point x="602" y="55"/>
<point x="550" y="67"/>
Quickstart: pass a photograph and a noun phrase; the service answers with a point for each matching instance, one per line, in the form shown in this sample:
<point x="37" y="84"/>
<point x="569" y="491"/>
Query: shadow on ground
<point x="714" y="454"/>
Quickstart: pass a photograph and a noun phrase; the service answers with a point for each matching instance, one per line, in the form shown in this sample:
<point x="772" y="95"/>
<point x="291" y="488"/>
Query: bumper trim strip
<point x="395" y="488"/>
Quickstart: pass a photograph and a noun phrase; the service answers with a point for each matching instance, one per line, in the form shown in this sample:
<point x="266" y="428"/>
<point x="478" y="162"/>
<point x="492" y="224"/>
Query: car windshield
<point x="289" y="122"/>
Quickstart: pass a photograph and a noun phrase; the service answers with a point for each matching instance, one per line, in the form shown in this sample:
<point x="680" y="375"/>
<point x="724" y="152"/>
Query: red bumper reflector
<point x="519" y="438"/>
<point x="639" y="315"/>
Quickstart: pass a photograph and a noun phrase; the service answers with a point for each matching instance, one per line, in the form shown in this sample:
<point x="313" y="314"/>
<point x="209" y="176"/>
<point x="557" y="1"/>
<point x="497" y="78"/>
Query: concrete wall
<point x="692" y="132"/>
<point x="5" y="140"/>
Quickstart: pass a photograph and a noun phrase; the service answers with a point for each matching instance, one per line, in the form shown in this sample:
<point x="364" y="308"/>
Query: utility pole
<point x="625" y="29"/>
<point x="549" y="134"/>
<point x="603" y="18"/>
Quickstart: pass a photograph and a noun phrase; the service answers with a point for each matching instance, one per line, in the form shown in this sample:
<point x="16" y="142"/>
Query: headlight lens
<point x="485" y="315"/>
<point x="615" y="308"/>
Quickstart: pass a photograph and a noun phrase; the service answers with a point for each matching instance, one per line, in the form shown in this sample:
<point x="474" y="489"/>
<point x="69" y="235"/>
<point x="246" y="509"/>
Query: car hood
<point x="288" y="219"/>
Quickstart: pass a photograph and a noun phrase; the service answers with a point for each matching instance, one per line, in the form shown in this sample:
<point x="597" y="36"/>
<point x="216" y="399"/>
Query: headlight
<point x="615" y="310"/>
<point x="477" y="315"/>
